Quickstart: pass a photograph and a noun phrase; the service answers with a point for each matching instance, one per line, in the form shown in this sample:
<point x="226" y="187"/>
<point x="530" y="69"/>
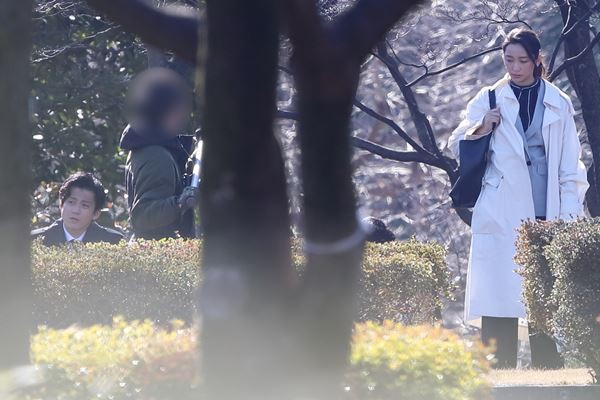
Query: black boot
<point x="505" y="332"/>
<point x="544" y="354"/>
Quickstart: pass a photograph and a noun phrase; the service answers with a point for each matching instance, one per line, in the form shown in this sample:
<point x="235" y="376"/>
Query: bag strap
<point x="492" y="98"/>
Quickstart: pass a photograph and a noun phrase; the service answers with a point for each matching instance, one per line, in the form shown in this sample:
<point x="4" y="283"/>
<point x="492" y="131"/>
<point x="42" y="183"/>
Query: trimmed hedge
<point x="92" y="283"/>
<point x="539" y="280"/>
<point x="140" y="360"/>
<point x="404" y="282"/>
<point x="136" y="360"/>
<point x="391" y="361"/>
<point x="561" y="266"/>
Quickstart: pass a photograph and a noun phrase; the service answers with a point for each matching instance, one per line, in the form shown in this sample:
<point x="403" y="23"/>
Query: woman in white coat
<point x="534" y="172"/>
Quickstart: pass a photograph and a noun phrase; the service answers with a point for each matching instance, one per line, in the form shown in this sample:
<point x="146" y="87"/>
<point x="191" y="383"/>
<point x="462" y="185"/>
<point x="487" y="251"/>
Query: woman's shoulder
<point x="554" y="96"/>
<point x="496" y="86"/>
<point x="482" y="96"/>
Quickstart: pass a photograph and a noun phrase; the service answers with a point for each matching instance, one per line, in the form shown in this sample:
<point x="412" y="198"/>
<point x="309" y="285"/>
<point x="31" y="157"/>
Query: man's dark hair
<point x="86" y="181"/>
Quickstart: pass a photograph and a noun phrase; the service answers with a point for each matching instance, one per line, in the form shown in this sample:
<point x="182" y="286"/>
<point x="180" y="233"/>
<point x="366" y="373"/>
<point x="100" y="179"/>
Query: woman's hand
<point x="490" y="122"/>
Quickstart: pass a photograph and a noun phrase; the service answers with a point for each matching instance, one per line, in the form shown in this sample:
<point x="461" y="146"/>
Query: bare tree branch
<point x="498" y="14"/>
<point x="567" y="29"/>
<point x="363" y="26"/>
<point x="46" y="55"/>
<point x="286" y="114"/>
<point x="391" y="154"/>
<point x="165" y="28"/>
<point x="422" y="124"/>
<point x="421" y="156"/>
<point x="452" y="66"/>
<point x="575" y="59"/>
<point x="560" y="40"/>
<point x="422" y="66"/>
<point x="389" y="122"/>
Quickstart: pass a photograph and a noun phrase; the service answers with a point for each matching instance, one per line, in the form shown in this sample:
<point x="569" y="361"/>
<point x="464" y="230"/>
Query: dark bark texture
<point x="15" y="137"/>
<point x="585" y="79"/>
<point x="163" y="28"/>
<point x="244" y="207"/>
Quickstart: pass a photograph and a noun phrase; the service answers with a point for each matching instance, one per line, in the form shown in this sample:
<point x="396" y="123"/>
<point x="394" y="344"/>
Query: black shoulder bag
<point x="472" y="164"/>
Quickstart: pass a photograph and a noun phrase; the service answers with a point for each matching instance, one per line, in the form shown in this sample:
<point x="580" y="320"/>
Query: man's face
<point x="78" y="211"/>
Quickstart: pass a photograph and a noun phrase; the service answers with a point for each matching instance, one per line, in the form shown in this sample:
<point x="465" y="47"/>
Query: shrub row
<point x="92" y="283"/>
<point x="560" y="263"/>
<point x="87" y="284"/>
<point x="404" y="282"/>
<point x="136" y="360"/>
<point x="139" y="360"/>
<point x="392" y="361"/>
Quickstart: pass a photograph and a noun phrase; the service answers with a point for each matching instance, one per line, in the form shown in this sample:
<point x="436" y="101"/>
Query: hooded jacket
<point x="154" y="176"/>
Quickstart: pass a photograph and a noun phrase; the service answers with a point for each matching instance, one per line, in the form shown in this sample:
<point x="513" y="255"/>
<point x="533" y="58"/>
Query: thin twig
<point x="401" y="132"/>
<point x="452" y="66"/>
<point x="391" y="154"/>
<point x="82" y="44"/>
<point x="565" y="32"/>
<point x="411" y="101"/>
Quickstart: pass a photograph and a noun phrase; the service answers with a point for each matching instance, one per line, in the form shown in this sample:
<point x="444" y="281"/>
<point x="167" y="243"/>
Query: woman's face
<point x="518" y="64"/>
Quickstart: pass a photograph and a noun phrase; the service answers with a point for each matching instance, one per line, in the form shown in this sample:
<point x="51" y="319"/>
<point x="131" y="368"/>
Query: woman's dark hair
<point x="530" y="41"/>
<point x="85" y="181"/>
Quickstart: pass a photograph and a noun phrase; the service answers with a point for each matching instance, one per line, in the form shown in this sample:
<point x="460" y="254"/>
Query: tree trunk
<point x="585" y="79"/>
<point x="15" y="268"/>
<point x="327" y="309"/>
<point x="247" y="263"/>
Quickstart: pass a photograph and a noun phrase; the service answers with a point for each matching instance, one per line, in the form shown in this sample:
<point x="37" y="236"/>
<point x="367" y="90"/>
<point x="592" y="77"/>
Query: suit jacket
<point x="54" y="234"/>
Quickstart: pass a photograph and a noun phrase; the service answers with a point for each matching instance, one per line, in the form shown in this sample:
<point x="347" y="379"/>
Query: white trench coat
<point x="506" y="200"/>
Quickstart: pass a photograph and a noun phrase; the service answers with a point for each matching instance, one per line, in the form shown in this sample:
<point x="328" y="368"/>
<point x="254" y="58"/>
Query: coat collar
<point x="510" y="109"/>
<point x="552" y="100"/>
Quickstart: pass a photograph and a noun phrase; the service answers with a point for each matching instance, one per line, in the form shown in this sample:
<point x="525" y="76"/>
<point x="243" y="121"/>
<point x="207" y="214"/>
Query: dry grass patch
<point x="517" y="377"/>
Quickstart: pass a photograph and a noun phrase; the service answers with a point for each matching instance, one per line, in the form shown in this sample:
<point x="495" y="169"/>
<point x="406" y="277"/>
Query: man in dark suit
<point x="81" y="198"/>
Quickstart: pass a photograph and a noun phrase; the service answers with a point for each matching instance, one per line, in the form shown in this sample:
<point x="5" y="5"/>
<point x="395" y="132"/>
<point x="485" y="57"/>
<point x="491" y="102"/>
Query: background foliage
<point x="81" y="64"/>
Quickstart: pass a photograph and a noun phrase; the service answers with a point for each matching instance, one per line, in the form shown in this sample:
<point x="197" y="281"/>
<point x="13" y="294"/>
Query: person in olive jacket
<point x="160" y="106"/>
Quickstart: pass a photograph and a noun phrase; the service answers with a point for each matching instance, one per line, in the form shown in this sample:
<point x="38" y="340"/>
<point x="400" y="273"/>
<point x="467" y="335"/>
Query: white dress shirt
<point x="71" y="238"/>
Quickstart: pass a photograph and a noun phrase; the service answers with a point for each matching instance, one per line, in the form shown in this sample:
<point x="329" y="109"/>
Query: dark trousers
<point x="505" y="331"/>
